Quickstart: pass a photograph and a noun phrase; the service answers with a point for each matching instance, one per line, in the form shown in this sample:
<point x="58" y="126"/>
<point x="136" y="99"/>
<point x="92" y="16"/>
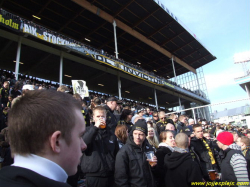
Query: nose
<point x="83" y="146"/>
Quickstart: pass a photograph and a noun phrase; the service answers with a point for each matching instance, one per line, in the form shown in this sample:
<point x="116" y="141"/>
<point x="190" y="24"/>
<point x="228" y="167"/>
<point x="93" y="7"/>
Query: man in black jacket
<point x="205" y="151"/>
<point x="98" y="161"/>
<point x="182" y="123"/>
<point x="181" y="170"/>
<point x="49" y="146"/>
<point x="131" y="166"/>
<point x="111" y="120"/>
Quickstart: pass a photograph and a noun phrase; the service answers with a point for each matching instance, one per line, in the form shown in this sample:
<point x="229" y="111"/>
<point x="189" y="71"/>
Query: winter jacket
<point x="205" y="161"/>
<point x="22" y="177"/>
<point x="180" y="126"/>
<point x="181" y="170"/>
<point x="131" y="167"/>
<point x="161" y="126"/>
<point x="99" y="157"/>
<point x="161" y="152"/>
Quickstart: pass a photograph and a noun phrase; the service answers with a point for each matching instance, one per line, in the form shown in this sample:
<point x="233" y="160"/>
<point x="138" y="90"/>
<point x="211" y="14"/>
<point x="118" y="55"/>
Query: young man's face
<point x="72" y="153"/>
<point x="139" y="137"/>
<point x="198" y="132"/>
<point x="6" y="85"/>
<point x="99" y="115"/>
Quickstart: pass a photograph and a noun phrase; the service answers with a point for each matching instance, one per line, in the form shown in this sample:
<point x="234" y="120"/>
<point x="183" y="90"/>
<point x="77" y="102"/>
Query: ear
<point x="55" y="141"/>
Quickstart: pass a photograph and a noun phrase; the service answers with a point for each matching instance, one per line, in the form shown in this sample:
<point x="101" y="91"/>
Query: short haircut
<point x="169" y="124"/>
<point x="121" y="133"/>
<point x="99" y="108"/>
<point x="63" y="88"/>
<point x="163" y="135"/>
<point x="36" y="116"/>
<point x="162" y="113"/>
<point x="245" y="140"/>
<point x="196" y="126"/>
<point x="181" y="140"/>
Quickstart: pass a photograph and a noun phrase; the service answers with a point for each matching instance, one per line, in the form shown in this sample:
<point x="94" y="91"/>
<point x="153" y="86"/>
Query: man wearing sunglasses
<point x="161" y="124"/>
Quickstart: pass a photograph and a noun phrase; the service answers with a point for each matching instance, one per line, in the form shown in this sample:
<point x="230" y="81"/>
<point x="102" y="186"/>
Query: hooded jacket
<point x="131" y="167"/>
<point x="181" y="170"/>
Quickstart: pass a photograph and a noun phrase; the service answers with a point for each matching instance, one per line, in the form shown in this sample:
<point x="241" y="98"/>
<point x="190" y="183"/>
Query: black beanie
<point x="141" y="125"/>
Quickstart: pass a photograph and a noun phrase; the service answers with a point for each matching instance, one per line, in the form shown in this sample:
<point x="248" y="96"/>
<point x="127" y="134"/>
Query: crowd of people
<point x="57" y="138"/>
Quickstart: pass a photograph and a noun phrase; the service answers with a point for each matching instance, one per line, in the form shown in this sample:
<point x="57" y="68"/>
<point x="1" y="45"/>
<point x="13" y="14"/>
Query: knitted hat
<point x="226" y="138"/>
<point x="141" y="125"/>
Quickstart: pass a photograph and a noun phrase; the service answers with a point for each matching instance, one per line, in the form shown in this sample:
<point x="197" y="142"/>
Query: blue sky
<point x="223" y="27"/>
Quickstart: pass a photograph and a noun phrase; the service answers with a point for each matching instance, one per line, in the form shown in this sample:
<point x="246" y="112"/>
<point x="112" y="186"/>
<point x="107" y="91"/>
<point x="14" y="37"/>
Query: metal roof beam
<point x="123" y="8"/>
<point x="132" y="32"/>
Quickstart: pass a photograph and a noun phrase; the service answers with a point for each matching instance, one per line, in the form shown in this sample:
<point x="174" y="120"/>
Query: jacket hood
<point x="130" y="140"/>
<point x="176" y="159"/>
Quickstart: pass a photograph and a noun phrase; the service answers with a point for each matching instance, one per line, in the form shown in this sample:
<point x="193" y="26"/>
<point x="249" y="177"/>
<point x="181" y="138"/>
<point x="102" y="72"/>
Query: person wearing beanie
<point x="131" y="166"/>
<point x="234" y="166"/>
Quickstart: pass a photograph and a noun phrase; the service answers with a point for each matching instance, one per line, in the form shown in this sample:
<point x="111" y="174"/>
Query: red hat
<point x="226" y="138"/>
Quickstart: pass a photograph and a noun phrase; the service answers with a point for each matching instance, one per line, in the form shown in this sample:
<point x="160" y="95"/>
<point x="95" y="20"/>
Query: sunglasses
<point x="155" y="116"/>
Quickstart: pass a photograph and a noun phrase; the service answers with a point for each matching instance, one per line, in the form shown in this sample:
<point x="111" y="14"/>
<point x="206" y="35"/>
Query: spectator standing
<point x="166" y="146"/>
<point x="4" y="93"/>
<point x="131" y="165"/>
<point x="234" y="165"/>
<point x="181" y="170"/>
<point x="98" y="161"/>
<point x="46" y="153"/>
<point x="125" y="119"/>
<point x="111" y="120"/>
<point x="182" y="123"/>
<point x="204" y="150"/>
<point x="161" y="124"/>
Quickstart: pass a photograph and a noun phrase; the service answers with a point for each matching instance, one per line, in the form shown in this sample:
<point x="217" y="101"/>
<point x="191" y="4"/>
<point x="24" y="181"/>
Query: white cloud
<point x="223" y="78"/>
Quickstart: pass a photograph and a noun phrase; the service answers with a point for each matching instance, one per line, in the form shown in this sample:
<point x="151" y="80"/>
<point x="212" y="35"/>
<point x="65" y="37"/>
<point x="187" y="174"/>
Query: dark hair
<point x="36" y="116"/>
<point x="196" y="126"/>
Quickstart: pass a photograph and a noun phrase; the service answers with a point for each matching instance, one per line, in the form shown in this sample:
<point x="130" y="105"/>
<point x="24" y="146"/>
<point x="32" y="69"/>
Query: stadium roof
<point x="159" y="32"/>
<point x="153" y="36"/>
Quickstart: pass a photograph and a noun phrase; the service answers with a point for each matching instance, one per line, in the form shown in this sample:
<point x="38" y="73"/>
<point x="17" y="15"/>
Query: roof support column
<point x="18" y="56"/>
<point x="119" y="86"/>
<point x="61" y="69"/>
<point x="199" y="89"/>
<point x="174" y="69"/>
<point x="156" y="103"/>
<point x="116" y="50"/>
<point x="176" y="81"/>
<point x="195" y="122"/>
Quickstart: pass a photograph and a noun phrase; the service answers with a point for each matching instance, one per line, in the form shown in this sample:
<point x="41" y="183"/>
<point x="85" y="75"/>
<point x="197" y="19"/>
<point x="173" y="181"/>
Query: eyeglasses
<point x="163" y="118"/>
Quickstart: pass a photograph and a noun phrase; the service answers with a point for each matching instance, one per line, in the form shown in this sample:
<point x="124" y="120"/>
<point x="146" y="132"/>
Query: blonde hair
<point x="153" y="141"/>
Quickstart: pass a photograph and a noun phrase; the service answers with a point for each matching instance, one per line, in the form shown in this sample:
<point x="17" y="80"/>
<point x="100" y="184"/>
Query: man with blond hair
<point x="98" y="161"/>
<point x="45" y="133"/>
